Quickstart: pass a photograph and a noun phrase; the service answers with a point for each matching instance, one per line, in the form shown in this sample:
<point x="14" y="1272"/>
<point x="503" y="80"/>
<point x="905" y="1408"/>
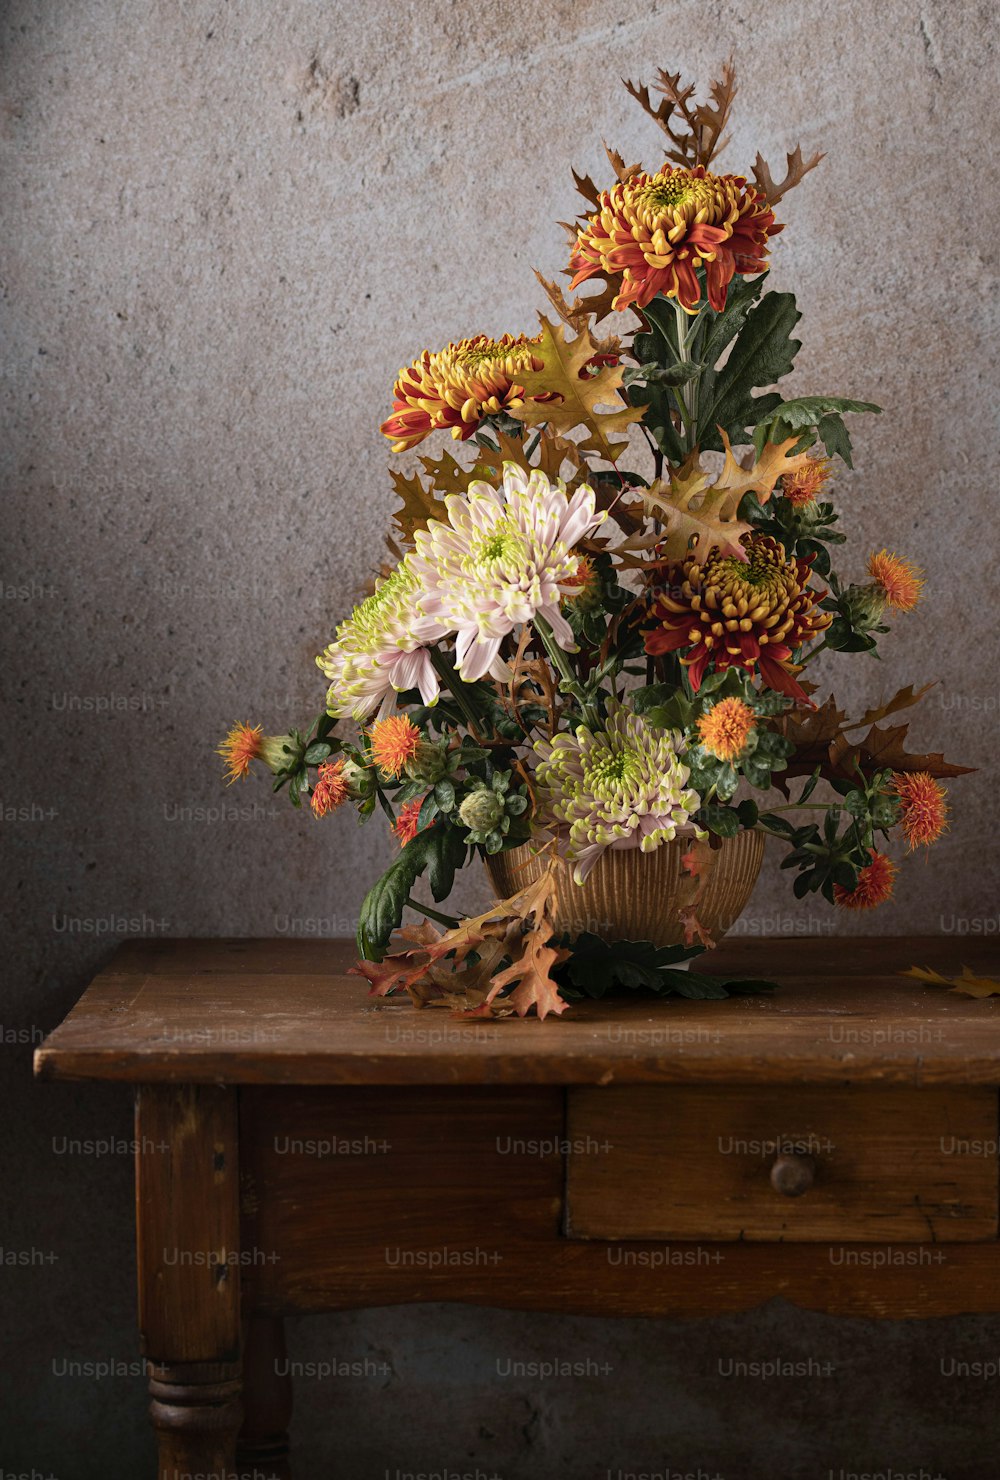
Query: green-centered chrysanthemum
<point x="622" y="787"/>
<point x="379" y="650"/>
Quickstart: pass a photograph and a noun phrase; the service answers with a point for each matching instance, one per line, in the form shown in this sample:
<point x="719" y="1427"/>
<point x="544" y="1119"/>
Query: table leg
<point x="262" y="1448"/>
<point x="188" y="1238"/>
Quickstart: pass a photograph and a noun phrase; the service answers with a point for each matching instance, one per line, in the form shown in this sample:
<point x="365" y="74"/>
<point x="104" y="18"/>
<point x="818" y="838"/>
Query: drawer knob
<point x="792" y="1175"/>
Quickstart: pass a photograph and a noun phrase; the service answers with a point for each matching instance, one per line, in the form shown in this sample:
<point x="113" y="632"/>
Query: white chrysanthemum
<point x="504" y="557"/>
<point x="624" y="787"/>
<point x="379" y="650"/>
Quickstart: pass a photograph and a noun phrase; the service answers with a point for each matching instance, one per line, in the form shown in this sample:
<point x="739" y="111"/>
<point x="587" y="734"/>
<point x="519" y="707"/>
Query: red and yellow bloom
<point x="900" y="580"/>
<point x="655" y="231"/>
<point x="405" y="827"/>
<point x="331" y="788"/>
<point x="807" y="482"/>
<point x="458" y="387"/>
<point x="873" y="888"/>
<point x="924" y="808"/>
<point x="732" y="613"/>
<point x="393" y="742"/>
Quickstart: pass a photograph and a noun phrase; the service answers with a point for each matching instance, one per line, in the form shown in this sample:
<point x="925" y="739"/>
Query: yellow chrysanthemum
<point x="901" y="581"/>
<point x="924" y="808"/>
<point x="457" y="387"/>
<point x="725" y="728"/>
<point x="393" y="742"/>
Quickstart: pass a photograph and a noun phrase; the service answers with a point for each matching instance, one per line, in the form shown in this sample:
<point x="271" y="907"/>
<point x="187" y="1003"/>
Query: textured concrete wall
<point x="226" y="226"/>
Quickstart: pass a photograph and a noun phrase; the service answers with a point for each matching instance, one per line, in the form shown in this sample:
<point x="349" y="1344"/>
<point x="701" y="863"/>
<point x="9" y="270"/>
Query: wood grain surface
<point x="282" y="1011"/>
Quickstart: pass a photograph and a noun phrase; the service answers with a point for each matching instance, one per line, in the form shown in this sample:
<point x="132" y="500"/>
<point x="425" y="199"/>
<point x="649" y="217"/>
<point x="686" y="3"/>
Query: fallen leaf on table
<point x="966" y="985"/>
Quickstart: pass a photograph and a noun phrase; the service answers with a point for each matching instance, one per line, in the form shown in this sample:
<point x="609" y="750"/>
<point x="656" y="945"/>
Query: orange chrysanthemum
<point x="807" y="482"/>
<point x="241" y="746"/>
<point x="330" y="789"/>
<point x="405" y="826"/>
<point x="874" y="885"/>
<point x="725" y="729"/>
<point x="924" y="808"/>
<point x="900" y="580"/>
<point x="657" y="230"/>
<point x="458" y="387"/>
<point x="393" y="742"/>
<point x="732" y="613"/>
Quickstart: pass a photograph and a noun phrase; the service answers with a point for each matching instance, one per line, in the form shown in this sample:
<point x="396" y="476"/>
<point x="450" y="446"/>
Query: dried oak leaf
<point x="966" y="985"/>
<point x="420" y="503"/>
<point x="697" y="135"/>
<point x="698" y="861"/>
<point x="579" y="311"/>
<point x="884" y="748"/>
<point x="567" y="373"/>
<point x="795" y="173"/>
<point x="695" y="515"/>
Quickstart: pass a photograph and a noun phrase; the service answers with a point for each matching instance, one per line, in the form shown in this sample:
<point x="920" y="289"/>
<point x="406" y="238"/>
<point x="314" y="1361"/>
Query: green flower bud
<point x="864" y="606"/>
<point x="273" y="753"/>
<point x="428" y="763"/>
<point x="481" y="811"/>
<point x="360" y="780"/>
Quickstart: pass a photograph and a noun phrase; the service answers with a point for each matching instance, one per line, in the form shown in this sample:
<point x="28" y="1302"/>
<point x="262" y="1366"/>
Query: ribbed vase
<point x="630" y="895"/>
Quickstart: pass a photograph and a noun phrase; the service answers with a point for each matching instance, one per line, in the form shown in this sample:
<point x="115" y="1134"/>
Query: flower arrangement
<point x="593" y="632"/>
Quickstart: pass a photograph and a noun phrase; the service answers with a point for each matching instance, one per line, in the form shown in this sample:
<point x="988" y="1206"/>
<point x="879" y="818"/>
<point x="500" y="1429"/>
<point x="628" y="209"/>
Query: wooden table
<point x="303" y="1147"/>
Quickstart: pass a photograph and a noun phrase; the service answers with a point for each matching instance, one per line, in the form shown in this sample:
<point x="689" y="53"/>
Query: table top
<point x="284" y="1012"/>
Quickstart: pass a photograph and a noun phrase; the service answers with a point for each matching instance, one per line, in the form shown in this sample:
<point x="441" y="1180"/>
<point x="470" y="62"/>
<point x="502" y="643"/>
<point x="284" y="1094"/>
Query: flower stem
<point x="456" y="687"/>
<point x="570" y="682"/>
<point x="425" y="909"/>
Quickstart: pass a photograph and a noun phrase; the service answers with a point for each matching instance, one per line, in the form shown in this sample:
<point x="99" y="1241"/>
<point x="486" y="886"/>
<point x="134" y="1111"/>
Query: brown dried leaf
<point x="566" y="372"/>
<point x="902" y="699"/>
<point x="698" y="861"/>
<point x="967" y="985"/>
<point x="695" y="514"/>
<point x="580" y="311"/>
<point x="588" y="190"/>
<point x="758" y="475"/>
<point x="622" y="170"/>
<point x="881" y="749"/>
<point x="795" y="173"/>
<point x="420" y="503"/>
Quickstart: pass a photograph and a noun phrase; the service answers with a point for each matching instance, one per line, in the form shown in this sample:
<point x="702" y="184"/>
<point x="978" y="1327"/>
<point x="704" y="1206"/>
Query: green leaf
<point x="748" y="812"/>
<point x="836" y="438"/>
<point x="444" y="794"/>
<point x="723" y="821"/>
<point x="762" y="353"/>
<point x="317" y="752"/>
<point x="679" y="373"/>
<point x="810" y="786"/>
<point x="438" y="852"/>
<point x="724" y="327"/>
<point x="809" y="411"/>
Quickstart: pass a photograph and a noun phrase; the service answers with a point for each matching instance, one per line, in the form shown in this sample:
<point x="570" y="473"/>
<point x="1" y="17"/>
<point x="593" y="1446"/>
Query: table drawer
<point x="799" y="1165"/>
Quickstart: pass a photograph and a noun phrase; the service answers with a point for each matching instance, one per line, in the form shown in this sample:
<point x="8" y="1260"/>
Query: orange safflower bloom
<point x="241" y="746"/>
<point x="393" y="742"/>
<point x="901" y="581"/>
<point x="656" y="230"/>
<point x="725" y="728"/>
<point x="405" y="826"/>
<point x="924" y="808"/>
<point x="458" y="387"/>
<point x="732" y="613"/>
<point x="874" y="885"/>
<point x="807" y="482"/>
<point x="330" y="789"/>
